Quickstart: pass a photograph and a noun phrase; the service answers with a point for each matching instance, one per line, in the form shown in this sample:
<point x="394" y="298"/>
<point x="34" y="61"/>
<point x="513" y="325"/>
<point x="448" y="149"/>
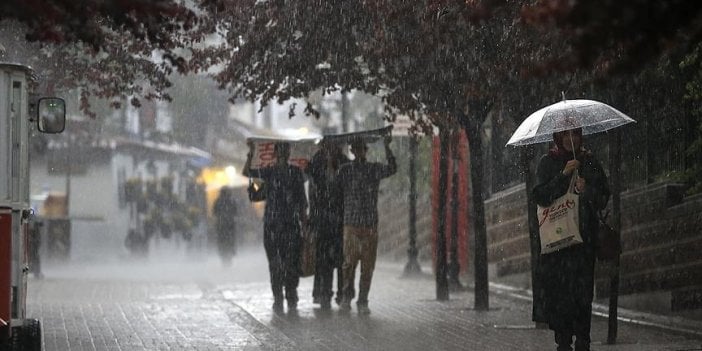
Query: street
<point x="175" y="302"/>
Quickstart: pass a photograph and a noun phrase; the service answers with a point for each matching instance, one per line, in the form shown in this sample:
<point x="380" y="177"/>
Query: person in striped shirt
<point x="359" y="180"/>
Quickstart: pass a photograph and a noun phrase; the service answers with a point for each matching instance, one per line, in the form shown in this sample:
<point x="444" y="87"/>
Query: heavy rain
<point x="350" y="175"/>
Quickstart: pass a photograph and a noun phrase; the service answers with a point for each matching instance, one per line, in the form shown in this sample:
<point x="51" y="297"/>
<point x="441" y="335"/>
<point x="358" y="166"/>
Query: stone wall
<point x="661" y="239"/>
<point x="507" y="231"/>
<point x="661" y="242"/>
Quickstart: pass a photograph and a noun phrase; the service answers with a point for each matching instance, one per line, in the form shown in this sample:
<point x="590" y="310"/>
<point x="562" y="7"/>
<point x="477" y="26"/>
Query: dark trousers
<point x="569" y="294"/>
<point x="282" y="244"/>
<point x="328" y="227"/>
<point x="226" y="241"/>
<point x="329" y="258"/>
<point x="580" y="329"/>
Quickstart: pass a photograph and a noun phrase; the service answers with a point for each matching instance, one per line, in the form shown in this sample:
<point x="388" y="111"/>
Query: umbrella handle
<point x="573" y="178"/>
<point x="571" y="188"/>
<point x="572" y="145"/>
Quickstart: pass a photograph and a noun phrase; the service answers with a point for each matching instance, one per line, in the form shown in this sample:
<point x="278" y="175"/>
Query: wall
<point x="661" y="239"/>
<point x="661" y="242"/>
<point x="507" y="231"/>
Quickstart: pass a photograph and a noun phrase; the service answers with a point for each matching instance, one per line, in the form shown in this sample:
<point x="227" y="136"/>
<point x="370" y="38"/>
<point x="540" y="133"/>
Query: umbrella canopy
<point x="592" y="116"/>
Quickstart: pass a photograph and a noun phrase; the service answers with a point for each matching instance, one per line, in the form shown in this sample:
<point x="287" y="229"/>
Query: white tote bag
<point x="559" y="223"/>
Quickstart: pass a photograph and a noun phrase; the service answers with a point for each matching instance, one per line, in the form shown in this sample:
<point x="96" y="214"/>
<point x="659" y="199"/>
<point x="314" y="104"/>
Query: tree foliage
<point x="615" y="36"/>
<point x="420" y="55"/>
<point x="95" y="22"/>
<point x="116" y="50"/>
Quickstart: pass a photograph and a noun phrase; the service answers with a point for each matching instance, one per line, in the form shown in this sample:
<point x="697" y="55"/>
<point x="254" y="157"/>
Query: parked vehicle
<point x="17" y="332"/>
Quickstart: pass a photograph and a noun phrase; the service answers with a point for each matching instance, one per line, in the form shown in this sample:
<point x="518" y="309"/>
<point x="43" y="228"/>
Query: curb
<point x="676" y="325"/>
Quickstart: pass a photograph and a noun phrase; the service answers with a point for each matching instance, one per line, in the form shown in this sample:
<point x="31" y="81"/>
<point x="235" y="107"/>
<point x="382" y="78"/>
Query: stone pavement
<point x="195" y="304"/>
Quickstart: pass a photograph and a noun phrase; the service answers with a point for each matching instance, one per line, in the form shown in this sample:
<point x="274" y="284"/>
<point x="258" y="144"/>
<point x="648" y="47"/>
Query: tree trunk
<point x="442" y="290"/>
<point x="412" y="268"/>
<point x="454" y="267"/>
<point x="472" y="128"/>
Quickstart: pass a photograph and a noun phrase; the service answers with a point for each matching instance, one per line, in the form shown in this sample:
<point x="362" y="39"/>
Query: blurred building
<point x="90" y="172"/>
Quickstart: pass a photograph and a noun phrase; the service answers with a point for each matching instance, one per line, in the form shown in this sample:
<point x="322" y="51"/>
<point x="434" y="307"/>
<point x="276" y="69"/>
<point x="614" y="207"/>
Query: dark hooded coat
<point x="327" y="219"/>
<point x="567" y="275"/>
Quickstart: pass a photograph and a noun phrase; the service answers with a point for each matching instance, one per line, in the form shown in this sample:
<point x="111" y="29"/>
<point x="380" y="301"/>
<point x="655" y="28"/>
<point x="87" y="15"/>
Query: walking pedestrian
<point x="359" y="180"/>
<point x="567" y="275"/>
<point x="326" y="220"/>
<point x="225" y="214"/>
<point x="34" y="246"/>
<point x="285" y="213"/>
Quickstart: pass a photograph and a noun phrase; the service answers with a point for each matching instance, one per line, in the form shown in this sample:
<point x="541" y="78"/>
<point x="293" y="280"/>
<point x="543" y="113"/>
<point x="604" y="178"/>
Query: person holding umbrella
<point x="567" y="275"/>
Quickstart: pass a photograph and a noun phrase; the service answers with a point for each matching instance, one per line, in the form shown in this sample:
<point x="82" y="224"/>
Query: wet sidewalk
<point x="406" y="316"/>
<point x="182" y="304"/>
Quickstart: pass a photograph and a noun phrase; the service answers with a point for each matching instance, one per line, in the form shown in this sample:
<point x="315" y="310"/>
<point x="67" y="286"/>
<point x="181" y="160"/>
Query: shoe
<point x="278" y="307"/>
<point x="292" y="305"/>
<point x="564" y="341"/>
<point x="340" y="297"/>
<point x="316" y="300"/>
<point x="345" y="305"/>
<point x="582" y="346"/>
<point x="326" y="304"/>
<point x="363" y="309"/>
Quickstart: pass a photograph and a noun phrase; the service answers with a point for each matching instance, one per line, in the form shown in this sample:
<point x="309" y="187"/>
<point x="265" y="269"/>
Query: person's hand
<point x="252" y="147"/>
<point x="580" y="185"/>
<point x="570" y="167"/>
<point x="387" y="140"/>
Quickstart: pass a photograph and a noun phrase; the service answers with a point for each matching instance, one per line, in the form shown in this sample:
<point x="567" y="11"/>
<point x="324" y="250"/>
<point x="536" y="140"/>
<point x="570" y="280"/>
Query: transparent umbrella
<point x="592" y="116"/>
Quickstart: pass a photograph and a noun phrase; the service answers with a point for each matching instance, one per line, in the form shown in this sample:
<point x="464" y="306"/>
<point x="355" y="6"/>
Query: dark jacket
<point x="225" y="212"/>
<point x="326" y="197"/>
<point x="285" y="193"/>
<point x="567" y="275"/>
<point x="552" y="184"/>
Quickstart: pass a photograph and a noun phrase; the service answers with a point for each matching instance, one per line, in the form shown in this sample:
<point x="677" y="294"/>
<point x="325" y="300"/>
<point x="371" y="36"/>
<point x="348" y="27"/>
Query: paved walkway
<point x="195" y="304"/>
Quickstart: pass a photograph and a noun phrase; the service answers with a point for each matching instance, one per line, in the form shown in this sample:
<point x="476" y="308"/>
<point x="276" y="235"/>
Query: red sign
<point x="301" y="151"/>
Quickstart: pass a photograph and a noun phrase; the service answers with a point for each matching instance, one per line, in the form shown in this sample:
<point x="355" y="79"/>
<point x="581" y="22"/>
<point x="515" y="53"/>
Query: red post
<point x="464" y="235"/>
